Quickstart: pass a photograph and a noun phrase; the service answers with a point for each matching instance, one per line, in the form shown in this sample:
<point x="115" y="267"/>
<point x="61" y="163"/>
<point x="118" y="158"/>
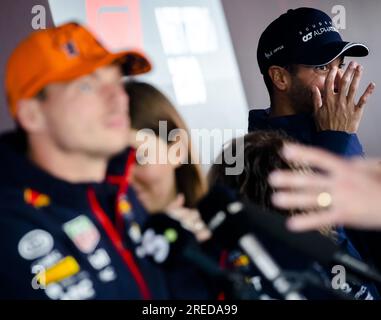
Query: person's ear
<point x="280" y="78"/>
<point x="30" y="115"/>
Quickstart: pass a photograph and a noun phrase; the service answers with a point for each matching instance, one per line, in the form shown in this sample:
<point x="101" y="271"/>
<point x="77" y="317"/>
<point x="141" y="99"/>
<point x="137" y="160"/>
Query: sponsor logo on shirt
<point x="83" y="233"/>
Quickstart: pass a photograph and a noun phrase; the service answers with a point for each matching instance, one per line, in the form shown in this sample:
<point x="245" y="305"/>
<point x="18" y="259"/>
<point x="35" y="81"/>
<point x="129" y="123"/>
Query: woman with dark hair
<point x="260" y="154"/>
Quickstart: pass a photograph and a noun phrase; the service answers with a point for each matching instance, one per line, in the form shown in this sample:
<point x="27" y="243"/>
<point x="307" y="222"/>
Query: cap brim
<point x="134" y="62"/>
<point x="333" y="50"/>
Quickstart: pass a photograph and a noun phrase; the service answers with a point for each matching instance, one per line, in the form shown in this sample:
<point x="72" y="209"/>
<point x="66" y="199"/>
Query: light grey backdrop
<point x="225" y="106"/>
<point x="15" y="24"/>
<point x="245" y="21"/>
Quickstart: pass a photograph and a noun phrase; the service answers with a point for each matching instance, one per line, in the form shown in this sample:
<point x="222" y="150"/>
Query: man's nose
<point x="116" y="95"/>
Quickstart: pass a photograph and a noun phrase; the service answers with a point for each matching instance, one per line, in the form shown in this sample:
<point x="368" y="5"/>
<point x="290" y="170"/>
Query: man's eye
<point x="322" y="68"/>
<point x="85" y="87"/>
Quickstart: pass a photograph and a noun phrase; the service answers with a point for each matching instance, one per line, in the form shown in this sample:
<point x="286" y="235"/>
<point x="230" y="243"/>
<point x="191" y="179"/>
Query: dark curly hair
<point x="260" y="155"/>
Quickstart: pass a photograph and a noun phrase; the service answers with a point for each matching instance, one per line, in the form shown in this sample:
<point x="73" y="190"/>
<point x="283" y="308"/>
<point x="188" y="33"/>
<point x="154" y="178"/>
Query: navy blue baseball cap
<point x="304" y="36"/>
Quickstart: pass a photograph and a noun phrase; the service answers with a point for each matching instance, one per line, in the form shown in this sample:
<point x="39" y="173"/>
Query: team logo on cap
<point x="83" y="233"/>
<point x="307" y="37"/>
<point x="317" y="31"/>
<point x="36" y="199"/>
<point x="70" y="49"/>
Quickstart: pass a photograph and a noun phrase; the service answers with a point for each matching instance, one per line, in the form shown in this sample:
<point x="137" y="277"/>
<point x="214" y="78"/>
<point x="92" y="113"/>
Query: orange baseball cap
<point x="61" y="54"/>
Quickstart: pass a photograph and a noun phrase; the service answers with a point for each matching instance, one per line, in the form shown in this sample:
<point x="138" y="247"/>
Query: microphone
<point x="220" y="214"/>
<point x="231" y="220"/>
<point x="166" y="242"/>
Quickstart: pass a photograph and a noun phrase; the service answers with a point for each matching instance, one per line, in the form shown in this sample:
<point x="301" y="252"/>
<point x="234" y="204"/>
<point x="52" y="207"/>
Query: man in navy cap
<point x="312" y="95"/>
<point x="301" y="56"/>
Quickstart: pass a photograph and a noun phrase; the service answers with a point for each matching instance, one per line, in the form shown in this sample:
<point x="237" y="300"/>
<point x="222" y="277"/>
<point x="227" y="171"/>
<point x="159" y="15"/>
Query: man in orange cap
<point x="57" y="237"/>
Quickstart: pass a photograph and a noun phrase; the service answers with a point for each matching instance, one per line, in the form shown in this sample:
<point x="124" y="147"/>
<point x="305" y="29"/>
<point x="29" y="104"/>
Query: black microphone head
<point x="164" y="239"/>
<point x="217" y="199"/>
<point x="229" y="219"/>
<point x="223" y="214"/>
<point x="310" y="243"/>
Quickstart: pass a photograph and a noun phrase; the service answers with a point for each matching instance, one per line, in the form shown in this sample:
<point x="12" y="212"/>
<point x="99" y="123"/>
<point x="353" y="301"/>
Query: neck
<point x="281" y="106"/>
<point x="73" y="167"/>
<point x="172" y="201"/>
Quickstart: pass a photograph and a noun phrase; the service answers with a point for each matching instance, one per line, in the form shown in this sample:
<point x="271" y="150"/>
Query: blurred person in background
<point x="163" y="173"/>
<point x="260" y="154"/>
<point x="66" y="96"/>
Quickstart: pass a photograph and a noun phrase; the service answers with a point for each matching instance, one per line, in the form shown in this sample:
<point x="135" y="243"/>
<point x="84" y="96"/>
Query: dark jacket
<point x="184" y="280"/>
<point x="58" y="239"/>
<point x="302" y="128"/>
